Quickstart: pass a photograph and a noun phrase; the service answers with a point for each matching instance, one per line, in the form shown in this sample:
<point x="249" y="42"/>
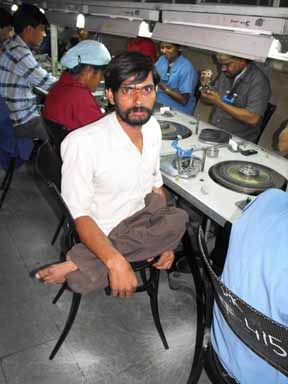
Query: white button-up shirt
<point x="104" y="175"/>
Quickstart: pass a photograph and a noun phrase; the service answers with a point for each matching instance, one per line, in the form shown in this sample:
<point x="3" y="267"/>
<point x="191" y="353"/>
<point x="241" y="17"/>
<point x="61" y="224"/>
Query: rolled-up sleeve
<point x="188" y="79"/>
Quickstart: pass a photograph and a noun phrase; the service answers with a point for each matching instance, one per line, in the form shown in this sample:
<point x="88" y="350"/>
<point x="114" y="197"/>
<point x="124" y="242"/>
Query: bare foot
<point x="165" y="261"/>
<point x="56" y="273"/>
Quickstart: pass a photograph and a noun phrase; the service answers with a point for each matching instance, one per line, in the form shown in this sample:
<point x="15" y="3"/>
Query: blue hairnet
<point x="86" y="52"/>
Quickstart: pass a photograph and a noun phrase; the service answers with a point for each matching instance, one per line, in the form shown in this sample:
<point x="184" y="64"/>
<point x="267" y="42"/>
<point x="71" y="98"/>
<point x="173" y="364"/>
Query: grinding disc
<point x="246" y="177"/>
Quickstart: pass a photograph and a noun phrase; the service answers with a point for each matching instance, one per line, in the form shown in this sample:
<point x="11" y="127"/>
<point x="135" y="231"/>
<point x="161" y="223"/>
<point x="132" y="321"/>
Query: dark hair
<point x="28" y="14"/>
<point x="178" y="46"/>
<point x="5" y="18"/>
<point x="80" y="67"/>
<point x="128" y="64"/>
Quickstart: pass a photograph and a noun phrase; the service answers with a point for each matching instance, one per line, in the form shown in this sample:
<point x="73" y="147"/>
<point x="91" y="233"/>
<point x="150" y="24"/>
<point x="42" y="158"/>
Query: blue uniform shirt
<point x="182" y="78"/>
<point x="256" y="269"/>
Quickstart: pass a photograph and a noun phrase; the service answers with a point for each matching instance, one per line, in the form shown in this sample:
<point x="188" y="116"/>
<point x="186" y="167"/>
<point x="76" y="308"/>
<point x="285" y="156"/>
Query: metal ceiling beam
<point x="254" y="47"/>
<point x="264" y="25"/>
<point x="231" y="29"/>
<point x="227" y="9"/>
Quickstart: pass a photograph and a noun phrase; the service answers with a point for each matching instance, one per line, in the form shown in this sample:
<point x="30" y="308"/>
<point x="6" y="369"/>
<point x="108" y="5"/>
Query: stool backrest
<point x="56" y="133"/>
<point x="267" y="338"/>
<point x="48" y="165"/>
<point x="267" y="116"/>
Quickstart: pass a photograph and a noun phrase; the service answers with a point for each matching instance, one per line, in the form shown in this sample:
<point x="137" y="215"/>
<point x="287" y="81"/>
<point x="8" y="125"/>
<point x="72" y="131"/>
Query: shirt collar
<point x="19" y="40"/>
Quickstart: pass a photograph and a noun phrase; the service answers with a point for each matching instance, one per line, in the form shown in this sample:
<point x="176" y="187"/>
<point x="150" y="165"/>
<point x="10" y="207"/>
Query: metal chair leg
<point x="202" y="338"/>
<point x="59" y="226"/>
<point x="6" y="175"/>
<point x="76" y="298"/>
<point x="7" y="180"/>
<point x="153" y="294"/>
<point x="59" y="293"/>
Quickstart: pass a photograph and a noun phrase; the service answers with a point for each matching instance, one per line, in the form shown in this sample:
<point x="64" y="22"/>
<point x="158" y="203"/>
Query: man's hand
<point x="212" y="96"/>
<point x="165" y="261"/>
<point x="123" y="280"/>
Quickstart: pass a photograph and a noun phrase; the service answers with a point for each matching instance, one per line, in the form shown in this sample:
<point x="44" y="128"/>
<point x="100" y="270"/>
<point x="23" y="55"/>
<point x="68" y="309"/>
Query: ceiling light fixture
<point x="14" y="7"/>
<point x="144" y="29"/>
<point x="80" y="21"/>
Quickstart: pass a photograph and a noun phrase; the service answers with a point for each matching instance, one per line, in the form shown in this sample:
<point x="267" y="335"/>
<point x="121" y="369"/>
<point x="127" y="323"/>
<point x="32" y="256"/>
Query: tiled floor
<point x="113" y="341"/>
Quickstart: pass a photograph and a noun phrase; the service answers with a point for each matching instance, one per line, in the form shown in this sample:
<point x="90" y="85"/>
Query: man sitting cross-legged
<point x="112" y="184"/>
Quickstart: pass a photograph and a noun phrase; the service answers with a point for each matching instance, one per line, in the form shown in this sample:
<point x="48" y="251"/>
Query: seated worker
<point x="280" y="139"/>
<point x="256" y="270"/>
<point x="84" y="34"/>
<point x="20" y="72"/>
<point x="70" y="101"/>
<point x="143" y="45"/>
<point x="6" y="26"/>
<point x="240" y="97"/>
<point x="109" y="170"/>
<point x="178" y="79"/>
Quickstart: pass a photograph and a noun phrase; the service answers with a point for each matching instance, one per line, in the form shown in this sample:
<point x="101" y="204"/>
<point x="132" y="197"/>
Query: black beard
<point x="124" y="115"/>
<point x="232" y="76"/>
<point x="229" y="76"/>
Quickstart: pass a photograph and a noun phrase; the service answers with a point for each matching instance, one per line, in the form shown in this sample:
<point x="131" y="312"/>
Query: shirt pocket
<point x="150" y="163"/>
